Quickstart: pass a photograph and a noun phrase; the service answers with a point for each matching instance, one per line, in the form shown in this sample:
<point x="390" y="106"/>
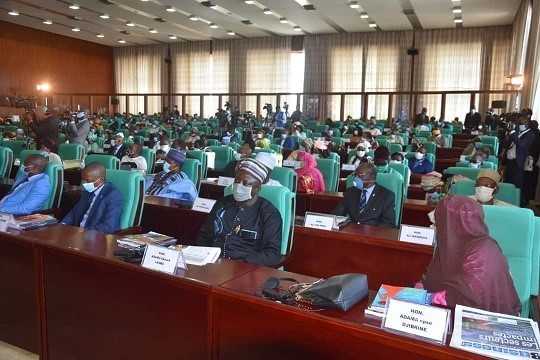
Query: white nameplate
<point x="225" y="181"/>
<point x="463" y="158"/>
<point x="321" y="222"/>
<point x="203" y="205"/>
<point x="417" y="234"/>
<point x="5" y="221"/>
<point x="291" y="163"/>
<point x="348" y="167"/>
<point x="210" y="159"/>
<point x="420" y="321"/>
<point x="160" y="259"/>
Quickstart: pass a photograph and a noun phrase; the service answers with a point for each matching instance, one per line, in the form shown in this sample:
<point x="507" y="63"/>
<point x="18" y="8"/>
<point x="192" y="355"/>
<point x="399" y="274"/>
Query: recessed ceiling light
<point x="104" y="16"/>
<point x="47" y="22"/>
<point x="458" y="21"/>
<point x="283" y="21"/>
<point x="232" y="33"/>
<point x="145" y="0"/>
<point x="153" y="31"/>
<point x="457" y="10"/>
<point x="372" y="25"/>
<point x="213" y="26"/>
<point x="170" y="9"/>
<point x="193" y="18"/>
<point x="130" y="23"/>
<point x="267" y="11"/>
<point x="172" y="37"/>
<point x="13" y="13"/>
<point x="74" y="7"/>
<point x="297" y="28"/>
<point x="121" y="41"/>
<point x="249" y="2"/>
<point x="354" y="5"/>
<point x="100" y="35"/>
<point x="364" y="15"/>
<point x="456" y="1"/>
<point x="76" y="29"/>
<point x="213" y="6"/>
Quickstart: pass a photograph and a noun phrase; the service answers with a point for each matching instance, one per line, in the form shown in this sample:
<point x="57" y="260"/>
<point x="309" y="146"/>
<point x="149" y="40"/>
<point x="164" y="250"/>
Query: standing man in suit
<point x="366" y="202"/>
<point x="78" y="131"/>
<point x="118" y="148"/>
<point x="100" y="206"/>
<point x="31" y="189"/>
<point x="472" y="120"/>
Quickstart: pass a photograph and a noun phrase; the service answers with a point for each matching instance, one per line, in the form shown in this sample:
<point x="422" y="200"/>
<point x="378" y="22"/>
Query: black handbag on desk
<point x="337" y="292"/>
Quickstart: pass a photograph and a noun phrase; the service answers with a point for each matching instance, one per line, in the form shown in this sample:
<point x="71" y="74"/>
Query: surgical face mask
<point x="483" y="194"/>
<point x="360" y="153"/>
<point x="165" y="148"/>
<point x="166" y="167"/>
<point x="396" y="162"/>
<point x="241" y="192"/>
<point x="419" y="156"/>
<point x="522" y="127"/>
<point x="89" y="187"/>
<point x="475" y="165"/>
<point x="330" y="133"/>
<point x="237" y="156"/>
<point x="259" y="136"/>
<point x="358" y="183"/>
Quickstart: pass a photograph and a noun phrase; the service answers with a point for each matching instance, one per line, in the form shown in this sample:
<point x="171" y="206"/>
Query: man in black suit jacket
<point x="472" y="120"/>
<point x="118" y="148"/>
<point x="366" y="202"/>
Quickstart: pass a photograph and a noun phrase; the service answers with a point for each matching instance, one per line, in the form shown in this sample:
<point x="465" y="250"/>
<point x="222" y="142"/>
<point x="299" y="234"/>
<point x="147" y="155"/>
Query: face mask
<point x="419" y="156"/>
<point x="241" y="192"/>
<point x="237" y="156"/>
<point x="283" y="136"/>
<point x="113" y="142"/>
<point x="522" y="127"/>
<point x="483" y="194"/>
<point x="475" y="165"/>
<point x="166" y="167"/>
<point x="259" y="136"/>
<point x="360" y="153"/>
<point x="89" y="187"/>
<point x="396" y="162"/>
<point x="165" y="148"/>
<point x="358" y="183"/>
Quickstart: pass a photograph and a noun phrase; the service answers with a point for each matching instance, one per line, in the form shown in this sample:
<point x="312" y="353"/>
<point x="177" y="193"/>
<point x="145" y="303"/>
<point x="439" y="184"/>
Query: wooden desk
<point x="443" y="164"/>
<point x="247" y="326"/>
<point x="73" y="176"/>
<point x="415" y="212"/>
<point x="415" y="191"/>
<point x="449" y="153"/>
<point x="210" y="189"/>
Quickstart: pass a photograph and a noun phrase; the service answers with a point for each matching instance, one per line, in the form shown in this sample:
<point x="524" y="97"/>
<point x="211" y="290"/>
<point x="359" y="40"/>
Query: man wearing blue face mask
<point x="31" y="189"/>
<point x="244" y="225"/>
<point x="100" y="206"/>
<point x="366" y="202"/>
<point x="172" y="182"/>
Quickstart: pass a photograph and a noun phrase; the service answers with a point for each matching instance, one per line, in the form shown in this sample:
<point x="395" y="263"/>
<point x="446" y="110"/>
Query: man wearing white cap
<point x="118" y="148"/>
<point x="269" y="160"/>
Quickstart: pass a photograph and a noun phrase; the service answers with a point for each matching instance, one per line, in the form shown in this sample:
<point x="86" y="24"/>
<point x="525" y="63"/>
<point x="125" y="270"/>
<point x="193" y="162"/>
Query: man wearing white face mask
<point x="487" y="185"/>
<point x="100" y="206"/>
<point x="359" y="157"/>
<point x="420" y="164"/>
<point x="244" y="225"/>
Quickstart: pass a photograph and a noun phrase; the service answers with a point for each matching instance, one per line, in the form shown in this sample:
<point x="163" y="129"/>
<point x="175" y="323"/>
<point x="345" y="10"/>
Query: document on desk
<point x="203" y="205"/>
<point x="201" y="255"/>
<point x="225" y="181"/>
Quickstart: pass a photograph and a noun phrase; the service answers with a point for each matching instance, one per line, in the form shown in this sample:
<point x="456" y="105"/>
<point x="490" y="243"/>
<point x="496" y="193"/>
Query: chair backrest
<point x="491" y="140"/>
<point x="330" y="170"/>
<point x="405" y="172"/>
<point x="131" y="185"/>
<point x="287" y="177"/>
<point x="224" y="155"/>
<point x="150" y="156"/>
<point x="71" y="151"/>
<point x="513" y="229"/>
<point x="192" y="168"/>
<point x="110" y="162"/>
<point x="16" y="146"/>
<point x="448" y="140"/>
<point x="430" y="146"/>
<point x="56" y="179"/>
<point x="464" y="171"/>
<point x="213" y="142"/>
<point x="484" y="165"/>
<point x="6" y="161"/>
<point x="202" y="157"/>
<point x="26" y="153"/>
<point x="535" y="285"/>
<point x="395" y="148"/>
<point x="507" y="192"/>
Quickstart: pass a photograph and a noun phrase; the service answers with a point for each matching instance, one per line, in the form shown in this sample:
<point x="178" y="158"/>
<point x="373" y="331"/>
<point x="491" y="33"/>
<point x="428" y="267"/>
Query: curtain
<point x="520" y="37"/>
<point x="531" y="90"/>
<point x="460" y="60"/>
<point x="139" y="70"/>
<point x="200" y="67"/>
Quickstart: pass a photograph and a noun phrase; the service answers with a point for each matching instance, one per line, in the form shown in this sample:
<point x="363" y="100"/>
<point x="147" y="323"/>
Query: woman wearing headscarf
<point x="310" y="179"/>
<point x="468" y="267"/>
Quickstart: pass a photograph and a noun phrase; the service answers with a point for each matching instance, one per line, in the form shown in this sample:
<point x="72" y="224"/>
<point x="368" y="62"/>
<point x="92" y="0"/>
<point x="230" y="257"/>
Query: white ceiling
<point x="329" y="16"/>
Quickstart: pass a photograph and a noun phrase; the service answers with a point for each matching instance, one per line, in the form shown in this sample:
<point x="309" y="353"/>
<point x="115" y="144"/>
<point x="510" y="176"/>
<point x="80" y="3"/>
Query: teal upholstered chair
<point x="192" y="168"/>
<point x="507" y="192"/>
<point x="330" y="170"/>
<point x="203" y="159"/>
<point x="405" y="172"/>
<point x="26" y="153"/>
<point x="493" y="141"/>
<point x="287" y="177"/>
<point x="213" y="142"/>
<point x="393" y="148"/>
<point x="334" y="156"/>
<point x="150" y="156"/>
<point x="464" y="171"/>
<point x="131" y="185"/>
<point x="448" y="140"/>
<point x="6" y="161"/>
<point x="110" y="162"/>
<point x="71" y="151"/>
<point x="16" y="146"/>
<point x="56" y="179"/>
<point x="224" y="155"/>
<point x="513" y="229"/>
<point x="485" y="165"/>
<point x="535" y="286"/>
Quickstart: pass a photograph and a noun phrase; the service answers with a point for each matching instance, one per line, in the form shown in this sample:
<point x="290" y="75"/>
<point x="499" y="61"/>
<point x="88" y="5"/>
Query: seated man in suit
<point x="366" y="202"/>
<point x="100" y="206"/>
<point x="172" y="182"/>
<point x="31" y="189"/>
<point x="244" y="225"/>
<point x="118" y="148"/>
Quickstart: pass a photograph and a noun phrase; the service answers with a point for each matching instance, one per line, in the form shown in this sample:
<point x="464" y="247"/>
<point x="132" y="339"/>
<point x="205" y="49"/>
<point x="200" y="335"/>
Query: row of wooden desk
<point x="66" y="296"/>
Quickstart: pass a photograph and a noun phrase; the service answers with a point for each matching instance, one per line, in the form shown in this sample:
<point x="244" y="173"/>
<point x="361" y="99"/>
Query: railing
<point x="90" y="100"/>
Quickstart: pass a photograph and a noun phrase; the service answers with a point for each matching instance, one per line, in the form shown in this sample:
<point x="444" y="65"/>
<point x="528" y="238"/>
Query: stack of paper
<point x="33" y="221"/>
<point x="139" y="241"/>
<point x="201" y="255"/>
<point x="386" y="292"/>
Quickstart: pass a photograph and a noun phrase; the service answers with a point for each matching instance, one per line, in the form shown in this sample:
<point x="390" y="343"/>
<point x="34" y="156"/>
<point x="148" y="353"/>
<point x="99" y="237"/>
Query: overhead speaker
<point x="412" y="51"/>
<point x="297" y="43"/>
